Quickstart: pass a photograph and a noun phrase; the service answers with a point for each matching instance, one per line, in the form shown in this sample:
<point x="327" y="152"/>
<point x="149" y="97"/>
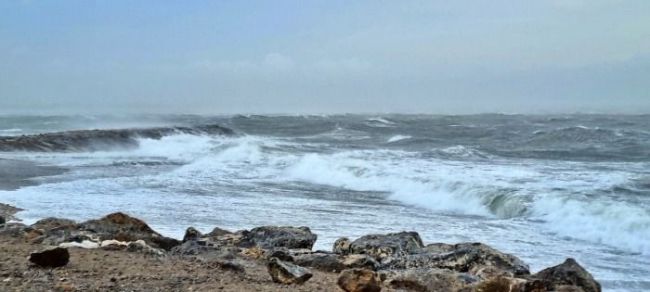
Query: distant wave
<point x="99" y="140"/>
<point x="398" y="138"/>
<point x="379" y="122"/>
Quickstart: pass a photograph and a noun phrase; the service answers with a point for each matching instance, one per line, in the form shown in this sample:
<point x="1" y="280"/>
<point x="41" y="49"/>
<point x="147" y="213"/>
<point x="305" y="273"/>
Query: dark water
<point x="541" y="187"/>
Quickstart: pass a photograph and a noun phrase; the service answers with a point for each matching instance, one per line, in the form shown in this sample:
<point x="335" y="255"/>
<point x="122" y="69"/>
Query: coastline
<point x="120" y="252"/>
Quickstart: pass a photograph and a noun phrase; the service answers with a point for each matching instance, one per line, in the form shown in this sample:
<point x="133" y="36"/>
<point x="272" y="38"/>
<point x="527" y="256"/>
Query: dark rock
<point x="329" y="262"/>
<point x="359" y="280"/>
<point x="273" y="237"/>
<point x="95" y="140"/>
<point x="2" y="220"/>
<point x="50" y="258"/>
<point x="287" y="273"/>
<point x="384" y="245"/>
<point x="191" y="234"/>
<point x="342" y="246"/>
<point x="122" y="227"/>
<point x="569" y="273"/>
<point x="52" y="223"/>
<point x="217" y="232"/>
<point x="283" y="255"/>
<point x="425" y="280"/>
<point x="474" y="258"/>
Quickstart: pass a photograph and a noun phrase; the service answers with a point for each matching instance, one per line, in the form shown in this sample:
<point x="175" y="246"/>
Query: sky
<point x="285" y="57"/>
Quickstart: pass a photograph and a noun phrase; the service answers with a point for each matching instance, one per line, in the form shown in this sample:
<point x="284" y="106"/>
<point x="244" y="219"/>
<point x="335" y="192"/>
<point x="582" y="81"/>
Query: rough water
<point x="541" y="187"/>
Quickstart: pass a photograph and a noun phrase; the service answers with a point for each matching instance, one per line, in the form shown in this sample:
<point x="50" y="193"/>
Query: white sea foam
<point x="398" y="138"/>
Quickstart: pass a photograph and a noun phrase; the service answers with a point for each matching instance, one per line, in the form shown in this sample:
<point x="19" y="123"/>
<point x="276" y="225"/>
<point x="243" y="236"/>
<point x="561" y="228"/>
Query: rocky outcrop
<point x="97" y="140"/>
<point x="427" y="279"/>
<point x="381" y="246"/>
<point x="567" y="274"/>
<point x="273" y="237"/>
<point x="50" y="258"/>
<point x="359" y="280"/>
<point x="287" y="273"/>
<point x="122" y="227"/>
<point x="474" y="258"/>
<point x="191" y="234"/>
<point x="330" y="262"/>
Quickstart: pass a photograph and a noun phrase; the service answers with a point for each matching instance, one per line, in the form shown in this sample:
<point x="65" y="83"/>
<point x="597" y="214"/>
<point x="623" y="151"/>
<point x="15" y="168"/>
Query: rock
<point x="50" y="258"/>
<point x="272" y="237"/>
<point x="329" y="262"/>
<point x="87" y="244"/>
<point x="13" y="229"/>
<point x="359" y="280"/>
<point x="425" y="280"/>
<point x="216" y="232"/>
<point x="52" y="223"/>
<point x="569" y="273"/>
<point x="191" y="234"/>
<point x="381" y="246"/>
<point x="287" y="273"/>
<point x="474" y="258"/>
<point x="141" y="246"/>
<point x="342" y="246"/>
<point x="2" y="220"/>
<point x="506" y="284"/>
<point x="113" y="245"/>
<point x="122" y="227"/>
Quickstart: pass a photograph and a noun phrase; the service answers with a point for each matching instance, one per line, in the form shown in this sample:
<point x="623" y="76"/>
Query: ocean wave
<point x="397" y="138"/>
<point x="99" y="140"/>
<point x="379" y="122"/>
<point x="617" y="224"/>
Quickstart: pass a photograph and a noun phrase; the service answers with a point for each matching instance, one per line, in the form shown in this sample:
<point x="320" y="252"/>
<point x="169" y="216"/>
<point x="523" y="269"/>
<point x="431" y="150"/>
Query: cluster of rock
<point x="371" y="263"/>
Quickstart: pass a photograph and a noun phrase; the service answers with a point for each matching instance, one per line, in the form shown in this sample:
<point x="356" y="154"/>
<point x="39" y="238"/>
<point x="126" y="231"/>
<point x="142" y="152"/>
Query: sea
<point x="542" y="187"/>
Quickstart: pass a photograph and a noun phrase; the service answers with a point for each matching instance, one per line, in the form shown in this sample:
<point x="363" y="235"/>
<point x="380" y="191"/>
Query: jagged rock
<point x="474" y="258"/>
<point x="2" y="220"/>
<point x="122" y="227"/>
<point x="359" y="280"/>
<point x="428" y="279"/>
<point x="383" y="245"/>
<point x="287" y="273"/>
<point x="191" y="234"/>
<point x="342" y="246"/>
<point x="272" y="237"/>
<point x="567" y="274"/>
<point x="50" y="258"/>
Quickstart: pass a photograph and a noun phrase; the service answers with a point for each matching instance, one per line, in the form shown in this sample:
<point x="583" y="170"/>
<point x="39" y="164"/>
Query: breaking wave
<point x="99" y="140"/>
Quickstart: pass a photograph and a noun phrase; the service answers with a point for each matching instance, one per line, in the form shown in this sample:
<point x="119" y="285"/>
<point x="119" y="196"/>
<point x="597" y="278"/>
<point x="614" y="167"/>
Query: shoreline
<point x="123" y="253"/>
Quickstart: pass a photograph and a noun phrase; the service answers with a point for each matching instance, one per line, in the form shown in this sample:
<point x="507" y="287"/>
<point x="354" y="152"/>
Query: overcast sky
<point x="325" y="56"/>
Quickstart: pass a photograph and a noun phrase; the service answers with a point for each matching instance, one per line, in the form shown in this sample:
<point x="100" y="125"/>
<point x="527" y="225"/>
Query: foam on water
<point x="341" y="181"/>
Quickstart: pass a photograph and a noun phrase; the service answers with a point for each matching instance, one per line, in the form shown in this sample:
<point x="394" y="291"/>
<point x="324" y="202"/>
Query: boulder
<point x="359" y="280"/>
<point x="329" y="262"/>
<point x="273" y="237"/>
<point x="50" y="258"/>
<point x="287" y="273"/>
<point x="506" y="284"/>
<point x="122" y="227"/>
<point x="342" y="246"/>
<point x="474" y="258"/>
<point x="425" y="280"/>
<point x="567" y="274"/>
<point x="191" y="234"/>
<point x="2" y="220"/>
<point x="383" y="245"/>
<point x="217" y="232"/>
